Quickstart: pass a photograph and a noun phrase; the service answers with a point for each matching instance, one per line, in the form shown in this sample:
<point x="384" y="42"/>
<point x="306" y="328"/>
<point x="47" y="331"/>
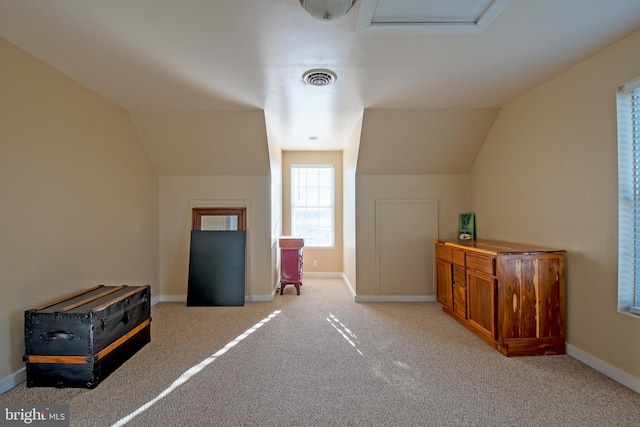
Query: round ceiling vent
<point x="319" y="77"/>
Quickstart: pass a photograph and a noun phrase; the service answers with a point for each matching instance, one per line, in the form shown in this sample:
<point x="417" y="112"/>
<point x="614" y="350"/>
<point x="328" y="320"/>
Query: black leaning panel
<point x="216" y="268"/>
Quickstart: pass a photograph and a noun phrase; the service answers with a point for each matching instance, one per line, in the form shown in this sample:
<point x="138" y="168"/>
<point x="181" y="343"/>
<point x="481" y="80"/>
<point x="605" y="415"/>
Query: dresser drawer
<point x="443" y="252"/>
<point x="459" y="276"/>
<point x="481" y="263"/>
<point x="458" y="257"/>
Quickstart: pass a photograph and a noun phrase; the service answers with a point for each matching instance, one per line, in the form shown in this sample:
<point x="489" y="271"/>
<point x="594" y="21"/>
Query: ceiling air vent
<point x="319" y="77"/>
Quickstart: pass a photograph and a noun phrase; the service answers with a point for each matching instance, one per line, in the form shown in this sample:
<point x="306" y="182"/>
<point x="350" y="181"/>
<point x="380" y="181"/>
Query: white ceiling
<point x="251" y="54"/>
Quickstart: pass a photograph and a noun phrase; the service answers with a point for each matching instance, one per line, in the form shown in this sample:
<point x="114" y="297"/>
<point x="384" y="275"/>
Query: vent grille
<point x="319" y="77"/>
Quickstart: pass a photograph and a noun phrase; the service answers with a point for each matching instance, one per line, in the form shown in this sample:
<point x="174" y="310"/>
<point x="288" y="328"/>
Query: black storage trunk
<point x="78" y="340"/>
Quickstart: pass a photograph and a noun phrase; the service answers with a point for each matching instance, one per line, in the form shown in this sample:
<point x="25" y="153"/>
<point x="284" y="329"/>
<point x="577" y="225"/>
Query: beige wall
<point x="422" y="142"/>
<point x="547" y="174"/>
<point x="205" y="143"/>
<point x="218" y="158"/>
<point x="413" y="154"/>
<point x="178" y="194"/>
<point x="452" y="192"/>
<point x="350" y="165"/>
<point x="329" y="260"/>
<point x="79" y="195"/>
<point x="275" y="165"/>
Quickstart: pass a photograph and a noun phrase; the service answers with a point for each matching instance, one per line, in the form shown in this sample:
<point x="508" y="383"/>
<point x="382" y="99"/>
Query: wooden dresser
<point x="511" y="295"/>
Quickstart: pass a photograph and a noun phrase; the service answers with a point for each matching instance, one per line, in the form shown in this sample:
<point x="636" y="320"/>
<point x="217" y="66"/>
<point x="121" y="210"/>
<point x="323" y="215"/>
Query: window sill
<point x="630" y="312"/>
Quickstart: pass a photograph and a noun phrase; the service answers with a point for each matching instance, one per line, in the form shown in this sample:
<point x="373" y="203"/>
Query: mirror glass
<point x="219" y="222"/>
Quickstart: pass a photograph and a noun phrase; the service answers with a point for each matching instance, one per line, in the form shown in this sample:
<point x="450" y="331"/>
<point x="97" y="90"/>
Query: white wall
<point x="547" y="175"/>
<point x="79" y="196"/>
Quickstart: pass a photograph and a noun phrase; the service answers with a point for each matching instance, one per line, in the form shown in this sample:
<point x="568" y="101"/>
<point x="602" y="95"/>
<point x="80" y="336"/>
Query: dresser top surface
<point x="291" y="242"/>
<point x="495" y="246"/>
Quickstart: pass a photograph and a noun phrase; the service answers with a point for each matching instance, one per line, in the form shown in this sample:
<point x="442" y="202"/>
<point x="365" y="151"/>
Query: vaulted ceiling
<point x="208" y="55"/>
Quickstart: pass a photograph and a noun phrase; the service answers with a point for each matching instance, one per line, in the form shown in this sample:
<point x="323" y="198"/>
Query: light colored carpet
<point x="325" y="360"/>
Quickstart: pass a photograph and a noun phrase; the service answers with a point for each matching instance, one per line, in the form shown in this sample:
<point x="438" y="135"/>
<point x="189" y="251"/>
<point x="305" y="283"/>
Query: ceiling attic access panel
<point x="428" y="16"/>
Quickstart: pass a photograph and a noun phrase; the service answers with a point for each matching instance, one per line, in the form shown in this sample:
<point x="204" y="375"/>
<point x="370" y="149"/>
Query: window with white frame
<point x="312" y="204"/>
<point x="628" y="100"/>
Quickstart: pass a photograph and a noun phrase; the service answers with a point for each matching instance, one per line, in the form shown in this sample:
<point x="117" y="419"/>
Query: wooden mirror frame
<point x="198" y="213"/>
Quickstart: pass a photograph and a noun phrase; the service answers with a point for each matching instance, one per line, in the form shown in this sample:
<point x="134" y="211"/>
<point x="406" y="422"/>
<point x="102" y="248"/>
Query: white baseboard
<point x="611" y="371"/>
<point x="183" y="298"/>
<point x="395" y="298"/>
<point x="13" y="380"/>
<point x="260" y="298"/>
<point x="349" y="287"/>
<point x="385" y="298"/>
<point x="173" y="298"/>
<point x="247" y="298"/>
<point x="322" y="274"/>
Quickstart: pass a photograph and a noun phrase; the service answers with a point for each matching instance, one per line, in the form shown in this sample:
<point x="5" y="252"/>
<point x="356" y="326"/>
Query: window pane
<point x="635" y="129"/>
<point x="629" y="197"/>
<point x="312" y="207"/>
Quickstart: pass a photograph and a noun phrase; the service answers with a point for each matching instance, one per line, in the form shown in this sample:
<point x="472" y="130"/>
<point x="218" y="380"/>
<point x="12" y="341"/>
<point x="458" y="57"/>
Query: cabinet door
<point x="460" y="301"/>
<point x="444" y="284"/>
<point x="531" y="297"/>
<point x="290" y="265"/>
<point x="481" y="298"/>
<point x="459" y="291"/>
